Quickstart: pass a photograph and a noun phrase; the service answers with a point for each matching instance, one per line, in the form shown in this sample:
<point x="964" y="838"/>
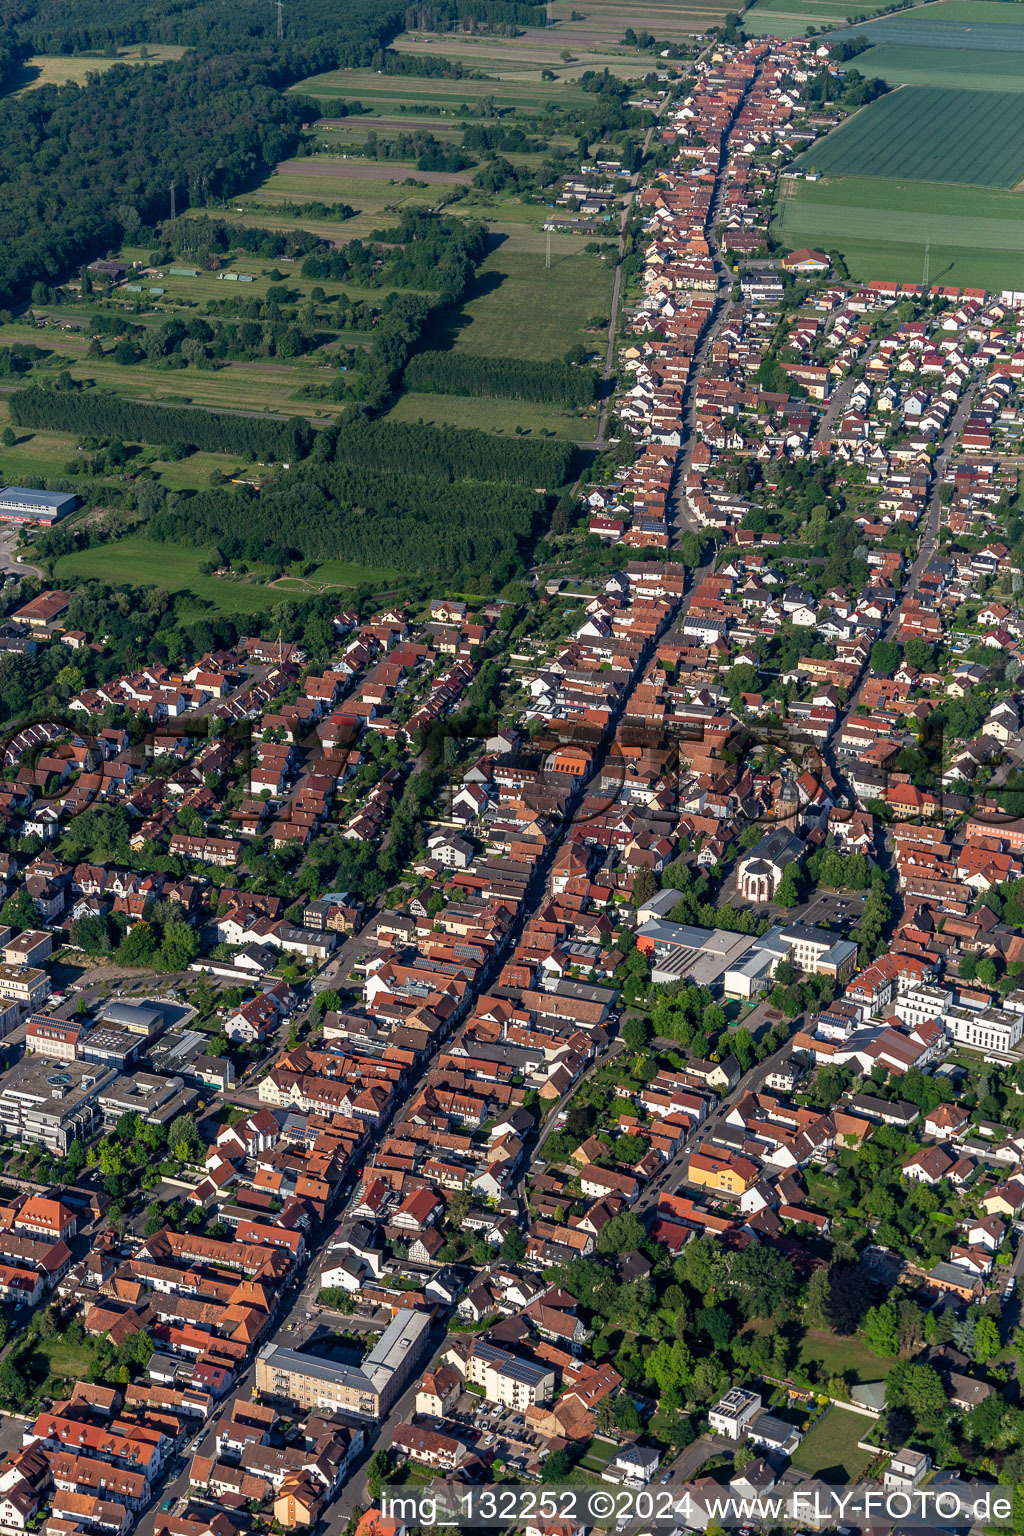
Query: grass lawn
<point x="829" y="1450"/>
<point x="924" y="133"/>
<point x="56" y="1357"/>
<point x="839" y="1356"/>
<point x="146" y="562"/>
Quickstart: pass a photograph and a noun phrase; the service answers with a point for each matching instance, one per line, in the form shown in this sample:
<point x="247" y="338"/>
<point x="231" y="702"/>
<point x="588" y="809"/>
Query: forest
<point x="416" y="523"/>
<point x="451" y="453"/>
<point x="68" y="188"/>
<point x="96" y="413"/>
<point x="513" y="378"/>
<point x="350" y="34"/>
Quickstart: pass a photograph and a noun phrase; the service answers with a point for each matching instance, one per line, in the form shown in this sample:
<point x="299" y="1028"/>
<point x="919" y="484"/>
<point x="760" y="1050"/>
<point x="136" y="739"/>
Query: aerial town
<point x="564" y="1037"/>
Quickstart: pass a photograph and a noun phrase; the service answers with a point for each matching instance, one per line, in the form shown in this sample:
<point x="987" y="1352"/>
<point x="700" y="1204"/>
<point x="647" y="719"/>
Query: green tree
<point x="880" y="1330"/>
<point x="513" y="1247"/>
<point x="763" y="1283"/>
<point x="885" y="657"/>
<point x="19" y="911"/>
<point x="986" y="1339"/>
<point x="377" y="1471"/>
<point x="623" y="1233"/>
<point x="634" y="1033"/>
<point x="184" y="1139"/>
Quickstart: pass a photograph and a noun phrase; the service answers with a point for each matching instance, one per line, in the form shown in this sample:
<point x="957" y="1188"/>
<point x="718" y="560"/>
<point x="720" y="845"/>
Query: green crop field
<point x="996" y="12"/>
<point x="138" y="561"/>
<point x="925" y="134"/>
<point x="957" y="68"/>
<point x="881" y="226"/>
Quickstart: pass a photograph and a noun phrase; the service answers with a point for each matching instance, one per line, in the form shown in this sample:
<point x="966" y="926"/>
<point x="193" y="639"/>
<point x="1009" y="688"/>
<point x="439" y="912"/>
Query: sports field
<point x="923" y="133"/>
<point x="958" y="68"/>
<point x="881" y="225"/>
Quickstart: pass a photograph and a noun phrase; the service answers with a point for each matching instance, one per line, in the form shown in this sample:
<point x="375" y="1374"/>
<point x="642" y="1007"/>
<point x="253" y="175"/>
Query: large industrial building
<point x="20" y="505"/>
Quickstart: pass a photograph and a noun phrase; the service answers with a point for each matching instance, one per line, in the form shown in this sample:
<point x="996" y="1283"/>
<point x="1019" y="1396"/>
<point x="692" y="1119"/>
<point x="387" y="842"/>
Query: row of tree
<point x="85" y="412"/>
<point x="451" y="453"/>
<point x="513" y="378"/>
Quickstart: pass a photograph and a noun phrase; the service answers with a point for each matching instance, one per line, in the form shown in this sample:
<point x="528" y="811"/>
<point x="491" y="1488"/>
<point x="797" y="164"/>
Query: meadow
<point x="923" y="133"/>
<point x="488" y="413"/>
<point x="139" y="561"/>
<point x="387" y="94"/>
<point x="75" y="69"/>
<point x="520" y="308"/>
<point x="523" y="58"/>
<point x="881" y="225"/>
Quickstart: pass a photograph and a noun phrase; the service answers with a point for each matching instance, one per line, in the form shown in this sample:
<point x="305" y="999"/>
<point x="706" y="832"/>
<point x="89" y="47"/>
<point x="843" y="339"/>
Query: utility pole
<point x="280" y="19"/>
<point x="172" y="201"/>
<point x="547" y="252"/>
<point x="927" y="249"/>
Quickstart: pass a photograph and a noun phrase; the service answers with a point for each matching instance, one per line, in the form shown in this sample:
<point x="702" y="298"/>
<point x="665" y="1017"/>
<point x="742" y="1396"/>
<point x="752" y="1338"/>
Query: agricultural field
<point x="523" y="58"/>
<point x="921" y="133"/>
<point x="386" y="95"/>
<point x="791" y="18"/>
<point x="673" y="20"/>
<point x="280" y="386"/>
<point x="881" y="225"/>
<point x="75" y="69"/>
<point x="978" y="25"/>
<point x="829" y="1450"/>
<point x="139" y="561"/>
<point x="955" y="68"/>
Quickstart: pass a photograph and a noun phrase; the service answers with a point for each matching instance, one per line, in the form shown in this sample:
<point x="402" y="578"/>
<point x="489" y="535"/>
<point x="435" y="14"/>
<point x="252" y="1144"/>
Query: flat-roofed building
<point x="20" y="505"/>
<point x="368" y="1390"/>
<point x="51" y="1103"/>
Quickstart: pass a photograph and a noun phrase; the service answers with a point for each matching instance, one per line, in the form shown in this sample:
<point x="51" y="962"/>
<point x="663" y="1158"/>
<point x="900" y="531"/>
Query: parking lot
<point x="496" y="1433"/>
